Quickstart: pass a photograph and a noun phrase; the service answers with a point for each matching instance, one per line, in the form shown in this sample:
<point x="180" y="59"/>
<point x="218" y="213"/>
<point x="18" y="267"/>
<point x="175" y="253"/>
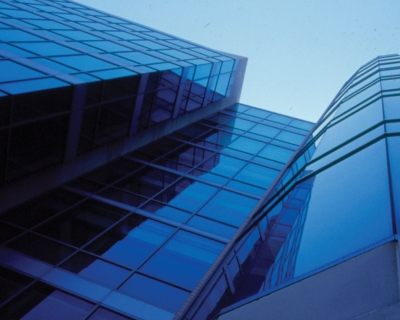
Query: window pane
<point x="184" y="259"/>
<point x="12" y="71"/>
<point x="46" y="48"/>
<point x="228" y="207"/>
<point x="356" y="209"/>
<point x="155" y="292"/>
<point x="137" y="235"/>
<point x="96" y="269"/>
<point x="45" y="302"/>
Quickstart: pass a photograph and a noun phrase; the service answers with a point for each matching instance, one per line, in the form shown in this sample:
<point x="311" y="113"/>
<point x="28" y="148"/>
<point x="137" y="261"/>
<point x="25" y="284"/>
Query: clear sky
<point x="300" y="52"/>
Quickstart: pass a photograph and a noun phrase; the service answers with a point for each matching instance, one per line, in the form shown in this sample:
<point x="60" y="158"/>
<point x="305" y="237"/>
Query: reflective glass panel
<point x="11" y="71"/>
<point x="46" y="48"/>
<point x="8" y="35"/>
<point x="228" y="207"/>
<point x="155" y="292"/>
<point x="184" y="259"/>
<point x="352" y="202"/>
<point x="42" y="301"/>
<point x="84" y="63"/>
<point x="137" y="235"/>
<point x="82" y="223"/>
<point x="95" y="269"/>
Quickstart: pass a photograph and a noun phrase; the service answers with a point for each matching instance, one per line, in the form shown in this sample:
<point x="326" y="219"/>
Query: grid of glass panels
<point x="73" y="79"/>
<point x="337" y="198"/>
<point x="133" y="239"/>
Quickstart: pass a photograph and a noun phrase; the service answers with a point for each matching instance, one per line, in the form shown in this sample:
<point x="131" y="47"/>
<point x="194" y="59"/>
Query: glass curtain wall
<point x="135" y="237"/>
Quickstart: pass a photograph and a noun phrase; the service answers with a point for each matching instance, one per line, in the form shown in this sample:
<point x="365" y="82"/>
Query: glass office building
<point x="336" y="200"/>
<point x="127" y="164"/>
<point x="134" y="185"/>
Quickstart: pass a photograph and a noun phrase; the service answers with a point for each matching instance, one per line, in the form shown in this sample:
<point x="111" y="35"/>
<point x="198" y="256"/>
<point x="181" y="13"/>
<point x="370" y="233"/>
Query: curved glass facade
<point x="336" y="198"/>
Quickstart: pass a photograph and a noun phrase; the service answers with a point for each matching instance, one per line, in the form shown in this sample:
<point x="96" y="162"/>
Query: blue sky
<point x="300" y="52"/>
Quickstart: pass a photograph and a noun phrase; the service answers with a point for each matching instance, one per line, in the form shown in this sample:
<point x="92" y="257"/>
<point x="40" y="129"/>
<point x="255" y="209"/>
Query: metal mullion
<point x="179" y="94"/>
<point x="389" y="170"/>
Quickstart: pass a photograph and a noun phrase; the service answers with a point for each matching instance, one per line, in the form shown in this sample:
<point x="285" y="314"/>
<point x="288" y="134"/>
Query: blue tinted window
<point x="54" y="65"/>
<point x="113" y="20"/>
<point x="184" y="259"/>
<point x="32" y="85"/>
<point x="103" y="314"/>
<point x="290" y="137"/>
<point x="140" y="57"/>
<point x="119" y="59"/>
<point x="202" y="71"/>
<point x="123" y="35"/>
<point x="265" y="130"/>
<point x="135" y="27"/>
<point x="20" y="23"/>
<point x="155" y="292"/>
<point x="90" y="12"/>
<point x="158" y="35"/>
<point x="205" y="52"/>
<point x="16" y="51"/>
<point x="138" y="236"/>
<point x="247" y="188"/>
<point x="166" y="66"/>
<point x="257" y="175"/>
<point x="85" y="77"/>
<point x="84" y="47"/>
<point x="44" y="302"/>
<point x="32" y="245"/>
<point x="392" y="84"/>
<point x="11" y="71"/>
<point x="247" y="145"/>
<point x="108" y="46"/>
<point x="94" y="269"/>
<point x="225" y="165"/>
<point x="301" y="124"/>
<point x="77" y="35"/>
<point x="112" y="74"/>
<point x="20" y="14"/>
<point x="166" y="211"/>
<point x="178" y="54"/>
<point x="346" y="149"/>
<point x="48" y="9"/>
<point x="53" y="35"/>
<point x="46" y="48"/>
<point x="182" y="43"/>
<point x="6" y="6"/>
<point x="365" y="94"/>
<point x="222" y="84"/>
<point x="276" y="153"/>
<point x="97" y="26"/>
<point x="348" y="128"/>
<point x="84" y="63"/>
<point x="241" y="124"/>
<point x="48" y="24"/>
<point x="228" y="207"/>
<point x="211" y="226"/>
<point x="391" y="107"/>
<point x="188" y="196"/>
<point x="72" y="17"/>
<point x="227" y="66"/>
<point x="352" y="201"/>
<point x="279" y="118"/>
<point x="8" y="35"/>
<point x="150" y="45"/>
